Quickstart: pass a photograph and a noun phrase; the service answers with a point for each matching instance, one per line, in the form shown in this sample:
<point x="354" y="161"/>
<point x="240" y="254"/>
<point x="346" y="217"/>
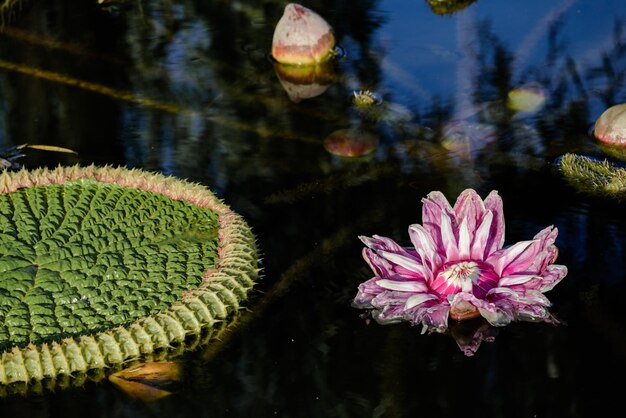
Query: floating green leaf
<point x="99" y="266"/>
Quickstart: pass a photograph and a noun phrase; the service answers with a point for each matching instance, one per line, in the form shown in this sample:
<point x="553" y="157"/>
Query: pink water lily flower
<point x="458" y="268"/>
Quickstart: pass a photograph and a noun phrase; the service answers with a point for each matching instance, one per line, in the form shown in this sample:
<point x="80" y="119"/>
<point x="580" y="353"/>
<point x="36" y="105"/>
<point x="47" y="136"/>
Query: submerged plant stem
<point x="89" y="86"/>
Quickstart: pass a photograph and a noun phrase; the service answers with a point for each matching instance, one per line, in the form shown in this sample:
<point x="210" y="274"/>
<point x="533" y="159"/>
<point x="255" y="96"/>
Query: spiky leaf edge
<point x="218" y="297"/>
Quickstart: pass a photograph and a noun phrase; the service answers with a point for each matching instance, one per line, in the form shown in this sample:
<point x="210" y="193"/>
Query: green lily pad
<point x="101" y="266"/>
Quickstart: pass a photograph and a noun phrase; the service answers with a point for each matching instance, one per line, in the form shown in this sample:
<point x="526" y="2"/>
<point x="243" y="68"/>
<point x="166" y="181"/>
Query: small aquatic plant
<point x="458" y="268"/>
<point x="365" y="98"/>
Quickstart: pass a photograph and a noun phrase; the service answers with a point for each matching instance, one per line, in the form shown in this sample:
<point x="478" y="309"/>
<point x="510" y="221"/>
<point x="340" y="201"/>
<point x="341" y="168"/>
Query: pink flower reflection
<point x="469" y="335"/>
<point x="458" y="268"/>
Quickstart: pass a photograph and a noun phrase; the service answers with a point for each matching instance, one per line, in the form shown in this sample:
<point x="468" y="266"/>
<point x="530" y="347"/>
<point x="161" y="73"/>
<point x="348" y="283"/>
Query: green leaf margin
<point x="199" y="316"/>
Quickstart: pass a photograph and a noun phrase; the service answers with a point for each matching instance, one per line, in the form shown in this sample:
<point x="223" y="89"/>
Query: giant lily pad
<point x="101" y="266"/>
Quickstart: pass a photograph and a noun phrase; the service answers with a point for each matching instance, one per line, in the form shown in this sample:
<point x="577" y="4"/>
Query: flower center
<point x="465" y="276"/>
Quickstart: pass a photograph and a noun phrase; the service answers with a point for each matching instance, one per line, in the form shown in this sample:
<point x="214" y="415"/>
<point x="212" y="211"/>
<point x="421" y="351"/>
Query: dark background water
<point x="186" y="88"/>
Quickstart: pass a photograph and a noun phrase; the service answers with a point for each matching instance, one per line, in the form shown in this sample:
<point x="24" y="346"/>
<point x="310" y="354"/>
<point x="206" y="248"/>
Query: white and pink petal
<point x="515" y="280"/>
<point x="433" y="207"/>
<point x="552" y="275"/>
<point x="378" y="264"/>
<point x="368" y="290"/>
<point x="528" y="256"/>
<point x="433" y="317"/>
<point x="482" y="236"/>
<point x="515" y="258"/>
<point x="448" y="238"/>
<point x="490" y="311"/>
<point x="465" y="240"/>
<point x="419" y="299"/>
<point x="425" y="246"/>
<point x="469" y="208"/>
<point x="386" y="258"/>
<point x="411" y="286"/>
<point x="493" y="203"/>
<point x="405" y="264"/>
<point x="377" y="243"/>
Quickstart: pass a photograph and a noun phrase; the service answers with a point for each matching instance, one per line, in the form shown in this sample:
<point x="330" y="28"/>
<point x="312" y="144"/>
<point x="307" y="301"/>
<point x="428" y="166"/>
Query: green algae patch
<point x="102" y="266"/>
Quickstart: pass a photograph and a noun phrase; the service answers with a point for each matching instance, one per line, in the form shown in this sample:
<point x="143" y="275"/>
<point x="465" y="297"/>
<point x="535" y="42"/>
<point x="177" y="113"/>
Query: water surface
<point x="187" y="89"/>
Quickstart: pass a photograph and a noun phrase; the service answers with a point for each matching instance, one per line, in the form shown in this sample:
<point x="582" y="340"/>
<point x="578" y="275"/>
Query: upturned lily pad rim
<point x="216" y="299"/>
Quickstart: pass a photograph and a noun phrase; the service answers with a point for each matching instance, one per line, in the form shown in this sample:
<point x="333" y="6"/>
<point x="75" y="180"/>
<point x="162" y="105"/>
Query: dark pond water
<point x="186" y="88"/>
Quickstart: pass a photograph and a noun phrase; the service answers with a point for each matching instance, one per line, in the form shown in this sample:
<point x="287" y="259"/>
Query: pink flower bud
<point x="302" y="37"/>
<point x="611" y="126"/>
<point x="350" y="143"/>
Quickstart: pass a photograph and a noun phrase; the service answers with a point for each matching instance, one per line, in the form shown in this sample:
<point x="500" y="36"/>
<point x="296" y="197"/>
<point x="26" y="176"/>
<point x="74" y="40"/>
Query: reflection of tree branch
<point x="607" y="72"/>
<point x="333" y="184"/>
<point x="467" y="66"/>
<point x="50" y="43"/>
<point x="545" y="25"/>
<point x="9" y="10"/>
<point x="576" y="79"/>
<point x="89" y="86"/>
<point x="615" y="43"/>
<point x="493" y="80"/>
<point x="404" y="79"/>
<point x="492" y="69"/>
<point x="358" y="20"/>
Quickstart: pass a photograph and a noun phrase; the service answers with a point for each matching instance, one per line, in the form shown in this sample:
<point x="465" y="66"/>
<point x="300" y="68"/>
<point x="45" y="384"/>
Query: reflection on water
<point x="186" y="88"/>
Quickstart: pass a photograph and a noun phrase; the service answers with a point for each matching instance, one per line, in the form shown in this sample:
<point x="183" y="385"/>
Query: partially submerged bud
<point x="350" y="143"/>
<point x="527" y="98"/>
<point x="611" y="126"/>
<point x="302" y="37"/>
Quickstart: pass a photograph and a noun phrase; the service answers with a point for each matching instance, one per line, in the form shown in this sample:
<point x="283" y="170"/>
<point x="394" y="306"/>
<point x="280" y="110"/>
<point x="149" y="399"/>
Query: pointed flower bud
<point x="611" y="126"/>
<point x="302" y="37"/>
